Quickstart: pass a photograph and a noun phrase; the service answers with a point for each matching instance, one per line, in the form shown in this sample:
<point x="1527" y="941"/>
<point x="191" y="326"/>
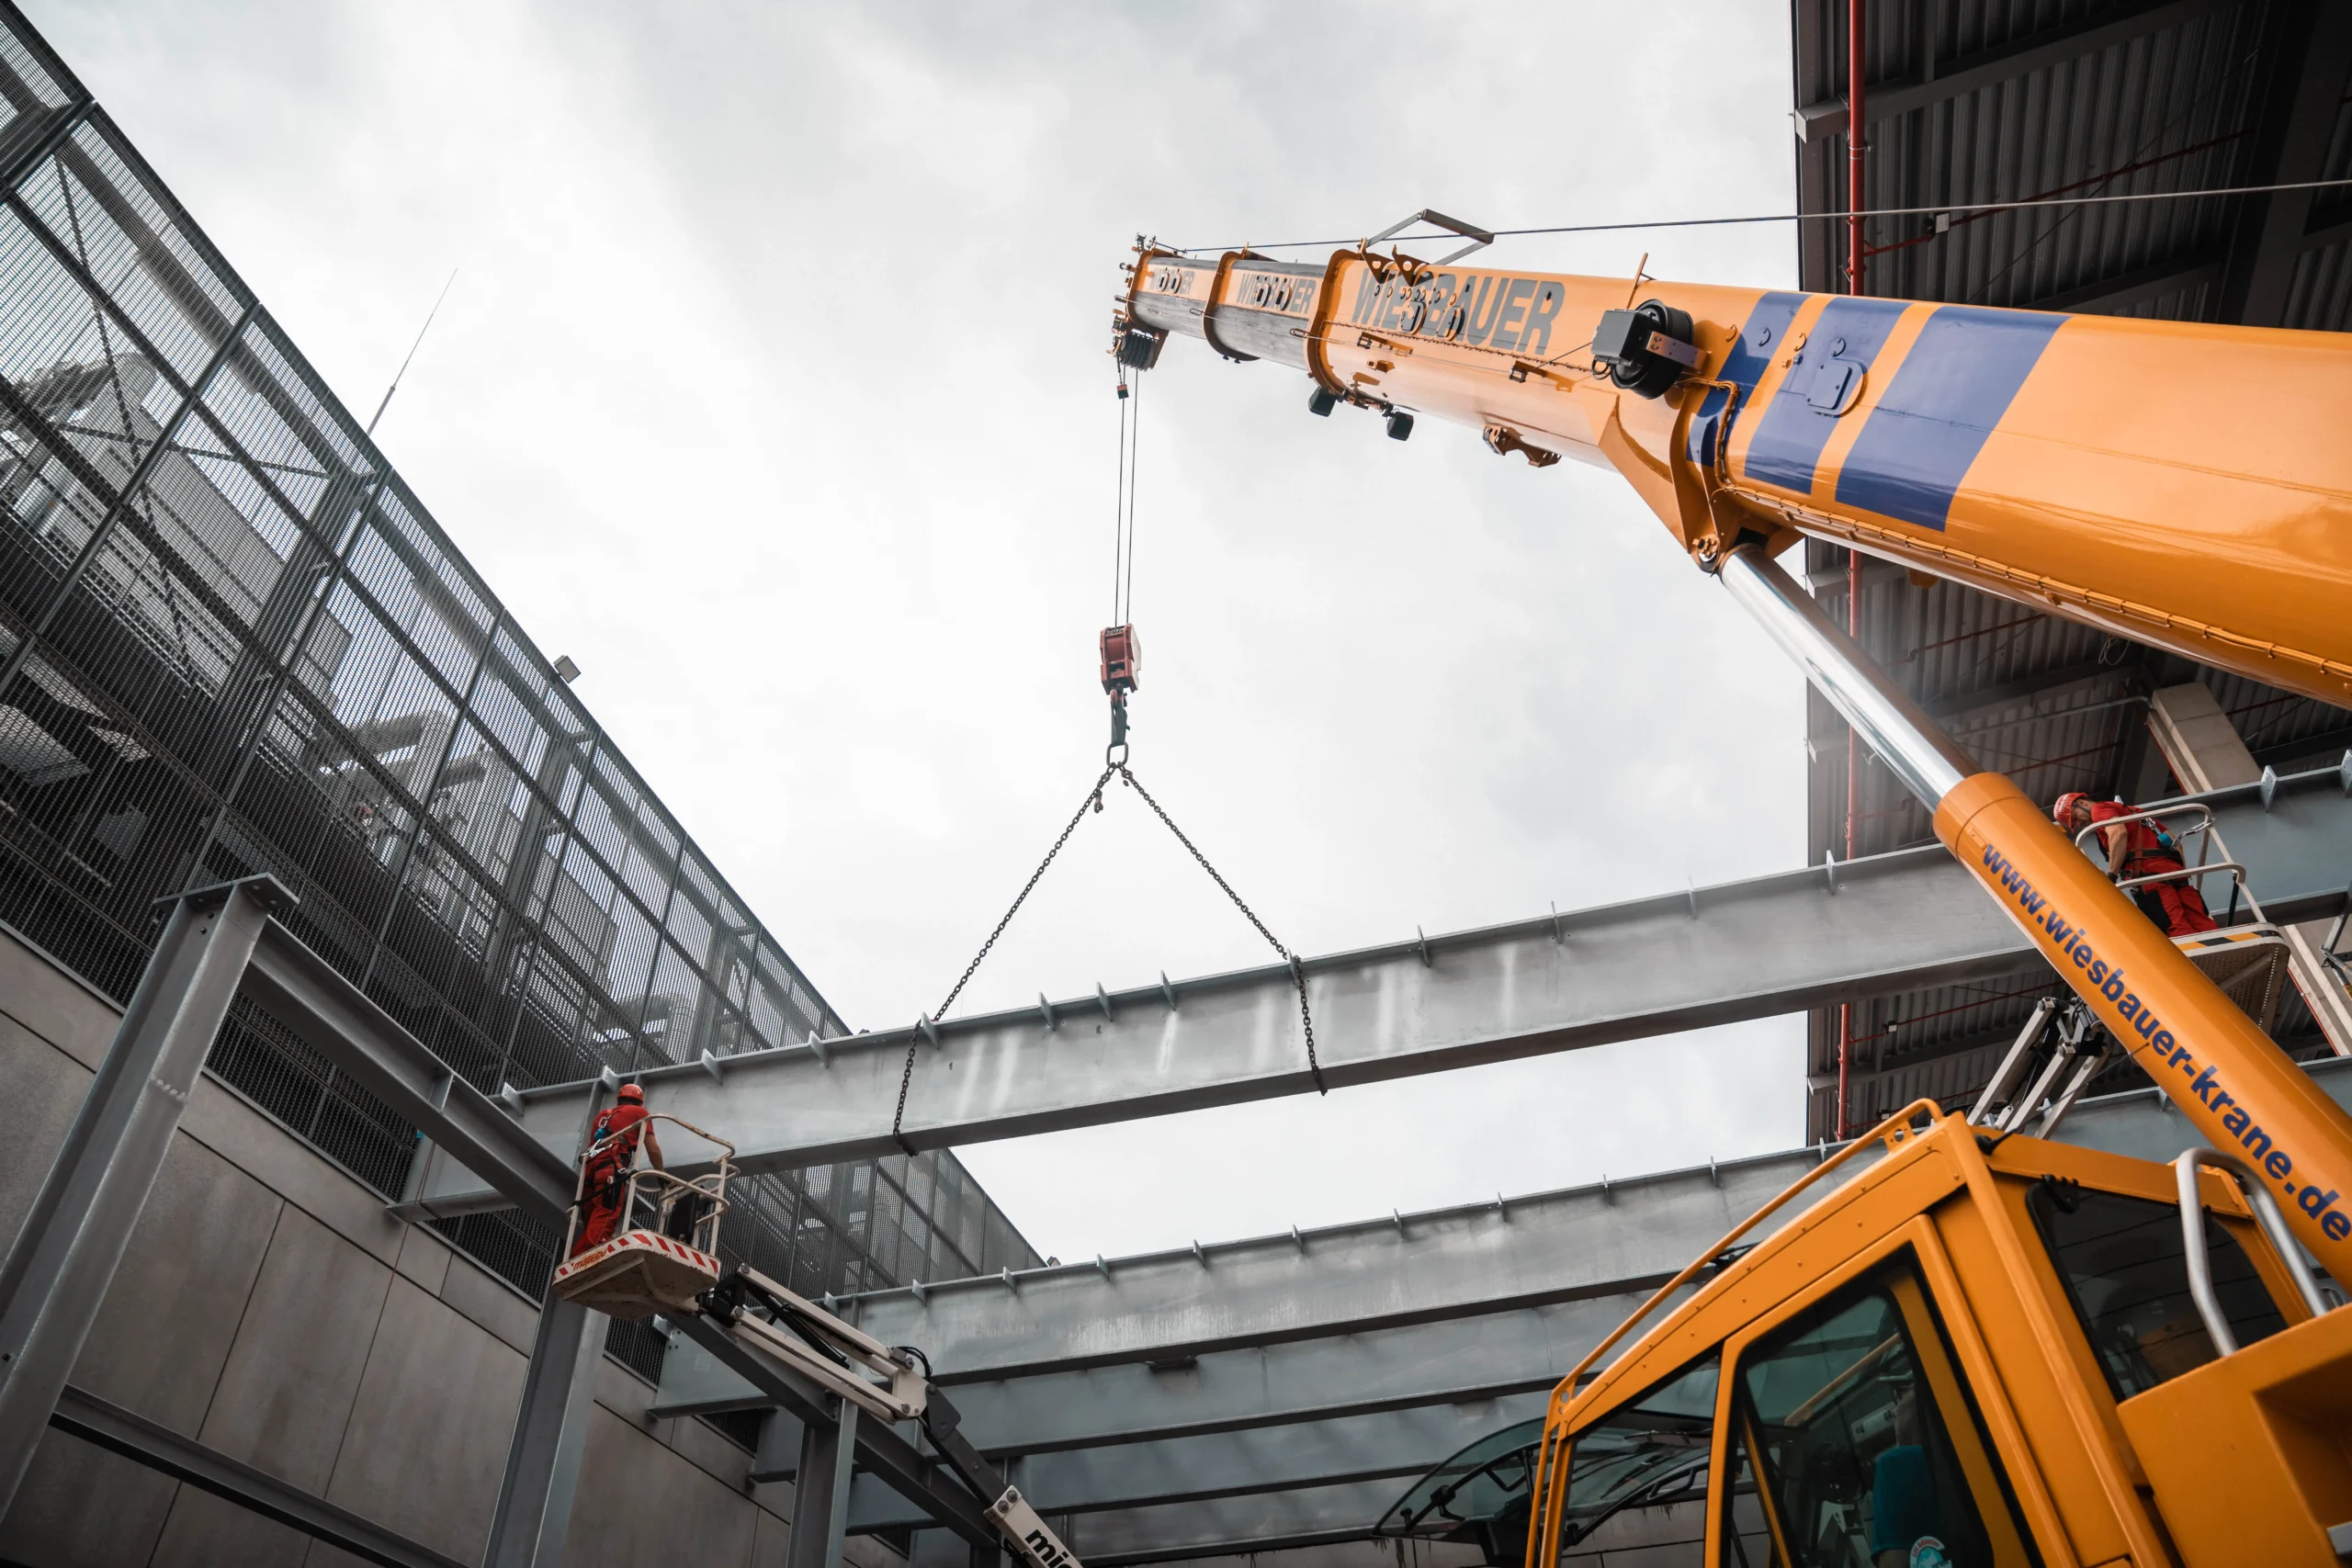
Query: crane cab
<point x="1978" y="1352"/>
<point x="664" y="1251"/>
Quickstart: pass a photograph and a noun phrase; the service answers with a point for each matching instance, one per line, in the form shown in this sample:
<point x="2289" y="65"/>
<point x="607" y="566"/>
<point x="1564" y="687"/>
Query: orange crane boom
<point x="2177" y="483"/>
<point x="2180" y="484"/>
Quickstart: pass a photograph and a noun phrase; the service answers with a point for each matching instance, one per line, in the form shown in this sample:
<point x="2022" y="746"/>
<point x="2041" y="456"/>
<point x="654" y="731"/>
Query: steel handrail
<point x="2204" y="824"/>
<point x="2202" y="830"/>
<point x="2200" y="1262"/>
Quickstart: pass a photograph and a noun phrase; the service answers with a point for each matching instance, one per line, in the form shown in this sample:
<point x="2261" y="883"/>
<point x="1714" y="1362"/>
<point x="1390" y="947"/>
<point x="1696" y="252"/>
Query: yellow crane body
<point x="1928" y="1366"/>
<point x="1961" y="1308"/>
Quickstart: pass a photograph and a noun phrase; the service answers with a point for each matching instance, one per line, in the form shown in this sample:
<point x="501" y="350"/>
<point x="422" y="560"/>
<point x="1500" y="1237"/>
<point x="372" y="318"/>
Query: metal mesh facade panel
<point x="232" y="641"/>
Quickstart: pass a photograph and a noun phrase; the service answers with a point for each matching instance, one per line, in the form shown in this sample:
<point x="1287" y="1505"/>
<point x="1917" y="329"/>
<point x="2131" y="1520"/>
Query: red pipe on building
<point x="1856" y="254"/>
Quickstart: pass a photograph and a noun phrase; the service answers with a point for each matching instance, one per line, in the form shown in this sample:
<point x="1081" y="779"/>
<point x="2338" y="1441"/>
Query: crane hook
<point x="1121" y="652"/>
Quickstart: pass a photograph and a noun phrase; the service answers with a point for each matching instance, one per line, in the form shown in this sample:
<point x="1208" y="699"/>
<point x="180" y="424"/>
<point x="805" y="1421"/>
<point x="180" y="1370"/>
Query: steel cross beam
<point x="335" y="1018"/>
<point x="1709" y="955"/>
<point x="1392" y="1446"/>
<point x="1600" y="1240"/>
<point x="1686" y="960"/>
<point x="94" y="1420"/>
<point x="1477" y="1355"/>
<point x="1281" y="1410"/>
<point x="1267" y="1521"/>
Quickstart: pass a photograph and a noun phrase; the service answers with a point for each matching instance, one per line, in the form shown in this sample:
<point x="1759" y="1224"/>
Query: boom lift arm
<point x="2091" y="466"/>
<point x="882" y="1381"/>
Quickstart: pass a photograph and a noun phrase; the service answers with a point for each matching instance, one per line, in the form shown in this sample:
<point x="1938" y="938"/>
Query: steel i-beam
<point x="1710" y="955"/>
<point x="64" y="1258"/>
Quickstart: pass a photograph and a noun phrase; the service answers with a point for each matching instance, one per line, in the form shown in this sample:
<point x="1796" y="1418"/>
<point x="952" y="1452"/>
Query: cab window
<point x="1637" y="1481"/>
<point x="1853" y="1444"/>
<point x="2122" y="1261"/>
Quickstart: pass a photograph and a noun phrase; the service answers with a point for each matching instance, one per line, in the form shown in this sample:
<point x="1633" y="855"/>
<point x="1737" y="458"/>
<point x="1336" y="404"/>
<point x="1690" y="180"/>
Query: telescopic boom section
<point x="2175" y="483"/>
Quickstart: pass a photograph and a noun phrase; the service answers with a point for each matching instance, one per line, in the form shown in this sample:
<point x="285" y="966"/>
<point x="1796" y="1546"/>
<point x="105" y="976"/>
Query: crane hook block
<point x="1122" y="660"/>
<point x="1139" y="346"/>
<point x="1646" y="350"/>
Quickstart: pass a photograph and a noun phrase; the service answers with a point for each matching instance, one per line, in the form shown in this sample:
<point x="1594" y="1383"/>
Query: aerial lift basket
<point x="665" y="1253"/>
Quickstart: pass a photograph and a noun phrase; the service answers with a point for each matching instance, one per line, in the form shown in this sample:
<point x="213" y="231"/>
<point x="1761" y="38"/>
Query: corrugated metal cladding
<point x="1995" y="100"/>
<point x="232" y="641"/>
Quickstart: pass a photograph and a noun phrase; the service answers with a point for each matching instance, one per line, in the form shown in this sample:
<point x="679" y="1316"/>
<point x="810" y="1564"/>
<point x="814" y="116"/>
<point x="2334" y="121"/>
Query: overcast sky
<point x="772" y="389"/>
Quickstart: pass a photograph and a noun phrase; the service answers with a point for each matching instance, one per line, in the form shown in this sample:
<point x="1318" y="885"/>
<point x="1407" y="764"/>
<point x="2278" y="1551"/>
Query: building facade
<point x="233" y="642"/>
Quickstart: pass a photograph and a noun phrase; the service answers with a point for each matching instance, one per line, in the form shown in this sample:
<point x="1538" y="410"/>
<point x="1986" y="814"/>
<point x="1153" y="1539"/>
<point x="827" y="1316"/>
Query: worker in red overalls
<point x="2139" y="848"/>
<point x="612" y="1154"/>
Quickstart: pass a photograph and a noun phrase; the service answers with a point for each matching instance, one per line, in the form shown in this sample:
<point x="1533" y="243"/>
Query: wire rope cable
<point x="1126" y="610"/>
<point x="1119" y="508"/>
<point x="1949" y="207"/>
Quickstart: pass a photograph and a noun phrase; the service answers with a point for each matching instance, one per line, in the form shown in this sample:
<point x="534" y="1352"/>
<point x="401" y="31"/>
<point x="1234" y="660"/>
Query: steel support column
<point x="551" y="1433"/>
<point x="778" y="1457"/>
<point x="821" y="1490"/>
<point x="63" y="1260"/>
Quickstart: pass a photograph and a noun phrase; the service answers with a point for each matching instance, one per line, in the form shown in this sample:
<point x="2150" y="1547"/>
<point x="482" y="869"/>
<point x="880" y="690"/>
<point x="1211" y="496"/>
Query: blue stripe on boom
<point x="1955" y="384"/>
<point x="1764" y="334"/>
<point x="1788" y="442"/>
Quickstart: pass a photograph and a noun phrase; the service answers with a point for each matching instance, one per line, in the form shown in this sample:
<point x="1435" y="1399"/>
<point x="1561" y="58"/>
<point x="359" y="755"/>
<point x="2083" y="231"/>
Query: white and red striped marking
<point x="639" y="1241"/>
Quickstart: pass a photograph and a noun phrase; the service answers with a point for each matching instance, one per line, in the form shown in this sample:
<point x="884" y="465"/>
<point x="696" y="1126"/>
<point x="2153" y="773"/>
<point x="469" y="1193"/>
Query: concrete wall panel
<point x="491" y="1305"/>
<point x="225" y="1122"/>
<point x="774" y="1534"/>
<point x="205" y="1531"/>
<point x="426" y="1443"/>
<point x="699" y="1520"/>
<point x="260" y="1310"/>
<point x="52" y="1004"/>
<point x="424" y="1258"/>
<point x="45" y="1088"/>
<point x="159" y="1341"/>
<point x="287" y="1392"/>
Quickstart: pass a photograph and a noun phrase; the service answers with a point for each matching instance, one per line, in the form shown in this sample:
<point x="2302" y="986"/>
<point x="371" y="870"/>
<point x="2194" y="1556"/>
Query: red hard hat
<point x="2062" y="810"/>
<point x="633" y="1092"/>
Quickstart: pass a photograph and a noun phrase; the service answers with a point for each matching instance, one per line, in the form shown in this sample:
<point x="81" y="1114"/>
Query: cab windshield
<point x="1852" y="1416"/>
<point x="1639" y="1479"/>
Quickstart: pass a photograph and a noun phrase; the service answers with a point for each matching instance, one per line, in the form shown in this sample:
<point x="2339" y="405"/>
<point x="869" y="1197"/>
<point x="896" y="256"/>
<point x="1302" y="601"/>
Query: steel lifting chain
<point x="1094" y="801"/>
<point x="1297" y="970"/>
<point x="907" y="1074"/>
